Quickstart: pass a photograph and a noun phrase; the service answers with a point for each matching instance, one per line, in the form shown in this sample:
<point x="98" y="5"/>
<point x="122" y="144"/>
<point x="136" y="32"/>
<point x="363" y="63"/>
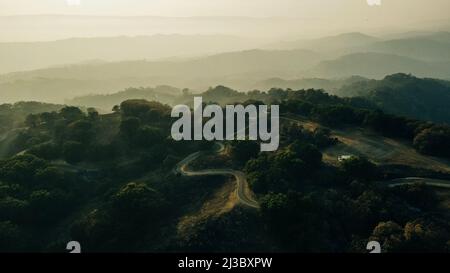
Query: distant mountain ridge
<point x="37" y="55"/>
<point x="377" y="65"/>
<point x="59" y="83"/>
<point x="330" y="85"/>
<point x="330" y="43"/>
<point x="330" y="59"/>
<point x="420" y="48"/>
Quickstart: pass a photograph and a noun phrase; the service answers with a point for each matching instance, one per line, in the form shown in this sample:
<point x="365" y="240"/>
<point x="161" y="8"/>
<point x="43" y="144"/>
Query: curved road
<point x="242" y="191"/>
<point x="413" y="180"/>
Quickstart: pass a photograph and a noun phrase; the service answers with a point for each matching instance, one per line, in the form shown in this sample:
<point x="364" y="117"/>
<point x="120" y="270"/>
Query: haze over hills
<point x="378" y="65"/>
<point x="330" y="85"/>
<point x="105" y="102"/>
<point x="399" y="94"/>
<point x="429" y="46"/>
<point x="331" y="58"/>
<point x="21" y="28"/>
<point x="199" y="73"/>
<point x="152" y="37"/>
<point x="441" y="36"/>
<point x="57" y="90"/>
<point x="418" y="48"/>
<point x="330" y="43"/>
<point x="91" y="148"/>
<point x="224" y="64"/>
<point x="35" y="55"/>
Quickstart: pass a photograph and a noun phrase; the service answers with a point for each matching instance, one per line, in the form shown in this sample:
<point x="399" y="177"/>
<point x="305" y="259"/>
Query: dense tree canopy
<point x="108" y="180"/>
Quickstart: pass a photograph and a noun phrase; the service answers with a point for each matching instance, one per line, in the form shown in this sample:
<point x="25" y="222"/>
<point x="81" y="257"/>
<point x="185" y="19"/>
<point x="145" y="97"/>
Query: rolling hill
<point x="325" y="63"/>
<point x="59" y="83"/>
<point x="330" y="85"/>
<point x="164" y="94"/>
<point x="421" y="48"/>
<point x="406" y="95"/>
<point x="330" y="43"/>
<point x="36" y="55"/>
<point x="377" y="65"/>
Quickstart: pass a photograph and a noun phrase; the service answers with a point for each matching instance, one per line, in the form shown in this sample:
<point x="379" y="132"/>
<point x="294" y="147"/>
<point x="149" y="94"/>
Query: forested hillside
<point x="405" y="95"/>
<point x="110" y="181"/>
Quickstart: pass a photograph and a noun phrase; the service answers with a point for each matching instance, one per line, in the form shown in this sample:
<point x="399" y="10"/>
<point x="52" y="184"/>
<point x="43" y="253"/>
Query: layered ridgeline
<point x="19" y="56"/>
<point x="399" y="94"/>
<point x="59" y="83"/>
<point x="425" y="46"/>
<point x="165" y="94"/>
<point x="341" y="42"/>
<point x="377" y="65"/>
<point x="424" y="54"/>
<point x="339" y="56"/>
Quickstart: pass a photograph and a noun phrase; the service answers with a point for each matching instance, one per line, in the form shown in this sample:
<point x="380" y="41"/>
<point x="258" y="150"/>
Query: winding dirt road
<point x="243" y="192"/>
<point x="413" y="180"/>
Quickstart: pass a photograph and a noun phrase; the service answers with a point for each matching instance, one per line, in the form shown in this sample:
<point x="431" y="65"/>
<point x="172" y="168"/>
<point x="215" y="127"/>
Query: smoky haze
<point x="56" y="50"/>
<point x="306" y="18"/>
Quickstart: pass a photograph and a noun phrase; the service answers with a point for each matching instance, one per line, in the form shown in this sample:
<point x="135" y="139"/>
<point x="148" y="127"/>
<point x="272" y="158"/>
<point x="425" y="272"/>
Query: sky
<point x="324" y="9"/>
<point x="313" y="17"/>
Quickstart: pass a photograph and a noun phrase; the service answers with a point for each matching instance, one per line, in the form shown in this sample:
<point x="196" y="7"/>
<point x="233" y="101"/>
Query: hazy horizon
<point x="325" y="9"/>
<point x="202" y="43"/>
<point x="60" y="19"/>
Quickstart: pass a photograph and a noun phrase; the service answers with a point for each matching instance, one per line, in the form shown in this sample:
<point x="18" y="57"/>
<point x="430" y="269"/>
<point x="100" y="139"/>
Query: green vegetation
<point x="87" y="155"/>
<point x="14" y="115"/>
<point x="107" y="180"/>
<point x="405" y="95"/>
<point x="74" y="176"/>
<point x="428" y="138"/>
